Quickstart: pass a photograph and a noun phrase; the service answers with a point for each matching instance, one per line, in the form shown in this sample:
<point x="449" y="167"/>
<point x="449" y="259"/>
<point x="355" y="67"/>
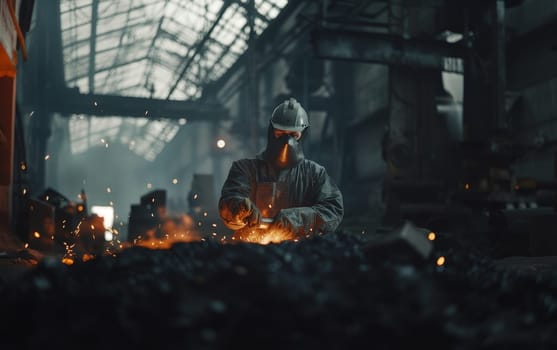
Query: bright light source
<point x="106" y="212"/>
<point x="182" y="121"/>
<point x="221" y="143"/>
<point x="108" y="236"/>
<point x="431" y="236"/>
<point x="454" y="37"/>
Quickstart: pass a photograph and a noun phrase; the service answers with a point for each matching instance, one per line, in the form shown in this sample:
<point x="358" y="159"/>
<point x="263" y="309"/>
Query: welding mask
<point x="285" y="151"/>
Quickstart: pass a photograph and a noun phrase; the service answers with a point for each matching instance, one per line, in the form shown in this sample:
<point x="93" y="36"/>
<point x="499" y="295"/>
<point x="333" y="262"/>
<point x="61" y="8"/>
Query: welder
<point x="280" y="189"/>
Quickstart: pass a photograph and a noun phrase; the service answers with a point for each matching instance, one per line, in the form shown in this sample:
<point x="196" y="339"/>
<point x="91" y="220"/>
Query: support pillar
<point x="8" y="61"/>
<point x="7" y="113"/>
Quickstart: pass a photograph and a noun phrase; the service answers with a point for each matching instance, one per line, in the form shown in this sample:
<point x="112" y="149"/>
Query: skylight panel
<point x="142" y="48"/>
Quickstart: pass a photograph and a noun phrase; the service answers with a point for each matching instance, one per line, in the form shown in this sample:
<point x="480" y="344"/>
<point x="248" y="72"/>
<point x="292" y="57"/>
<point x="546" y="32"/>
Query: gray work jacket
<point x="315" y="203"/>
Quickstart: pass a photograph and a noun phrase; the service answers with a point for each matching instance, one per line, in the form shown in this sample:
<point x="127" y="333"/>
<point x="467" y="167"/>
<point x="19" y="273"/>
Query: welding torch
<point x="264" y="223"/>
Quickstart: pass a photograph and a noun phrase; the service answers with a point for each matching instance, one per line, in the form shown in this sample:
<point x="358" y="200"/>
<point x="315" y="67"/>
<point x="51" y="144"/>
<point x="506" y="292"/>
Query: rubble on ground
<point x="324" y="292"/>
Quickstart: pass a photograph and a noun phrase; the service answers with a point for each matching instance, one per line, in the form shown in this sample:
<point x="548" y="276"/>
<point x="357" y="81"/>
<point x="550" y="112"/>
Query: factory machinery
<point x="483" y="197"/>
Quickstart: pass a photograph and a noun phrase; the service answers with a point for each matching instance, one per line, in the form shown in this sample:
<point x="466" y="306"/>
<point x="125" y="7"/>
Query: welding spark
<point x="67" y="261"/>
<point x="440" y="261"/>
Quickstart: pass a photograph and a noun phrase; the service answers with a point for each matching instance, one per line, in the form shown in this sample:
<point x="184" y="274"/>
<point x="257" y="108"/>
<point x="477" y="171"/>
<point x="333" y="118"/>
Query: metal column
<point x="7" y="113"/>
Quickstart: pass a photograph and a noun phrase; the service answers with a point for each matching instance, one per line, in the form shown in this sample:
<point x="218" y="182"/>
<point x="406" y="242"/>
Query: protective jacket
<point x="314" y="201"/>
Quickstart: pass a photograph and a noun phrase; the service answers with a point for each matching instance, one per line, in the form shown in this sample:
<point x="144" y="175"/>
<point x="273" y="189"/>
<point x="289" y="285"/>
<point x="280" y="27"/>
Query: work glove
<point x="239" y="212"/>
<point x="281" y="222"/>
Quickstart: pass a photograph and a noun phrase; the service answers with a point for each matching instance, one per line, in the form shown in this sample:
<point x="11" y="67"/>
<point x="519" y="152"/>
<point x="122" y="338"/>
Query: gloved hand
<point x="281" y="222"/>
<point x="239" y="212"/>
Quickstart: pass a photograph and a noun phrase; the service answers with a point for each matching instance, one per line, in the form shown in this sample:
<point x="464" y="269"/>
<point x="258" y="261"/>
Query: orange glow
<point x="36" y="234"/>
<point x="165" y="242"/>
<point x="431" y="236"/>
<point x="283" y="155"/>
<point x="440" y="261"/>
<point x="466" y="186"/>
<point x="262" y="236"/>
<point x="67" y="261"/>
<point x="87" y="257"/>
<point x="80" y="208"/>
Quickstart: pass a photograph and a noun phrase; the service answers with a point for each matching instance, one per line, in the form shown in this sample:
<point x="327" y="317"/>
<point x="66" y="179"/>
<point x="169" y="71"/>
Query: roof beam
<point x="112" y="14"/>
<point x="199" y="46"/>
<point x="383" y="49"/>
<point x="72" y="102"/>
<point x="108" y="33"/>
<point x="93" y="44"/>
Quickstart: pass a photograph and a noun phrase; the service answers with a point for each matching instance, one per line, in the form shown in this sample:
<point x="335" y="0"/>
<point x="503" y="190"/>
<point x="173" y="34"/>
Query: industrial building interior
<point x="119" y="122"/>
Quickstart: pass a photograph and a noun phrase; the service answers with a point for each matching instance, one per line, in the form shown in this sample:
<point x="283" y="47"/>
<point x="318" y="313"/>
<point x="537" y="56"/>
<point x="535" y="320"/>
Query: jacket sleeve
<point x="236" y="188"/>
<point x="323" y="213"/>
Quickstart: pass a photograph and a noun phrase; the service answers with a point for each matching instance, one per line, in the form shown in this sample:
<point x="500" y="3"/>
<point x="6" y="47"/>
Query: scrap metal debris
<point x="324" y="292"/>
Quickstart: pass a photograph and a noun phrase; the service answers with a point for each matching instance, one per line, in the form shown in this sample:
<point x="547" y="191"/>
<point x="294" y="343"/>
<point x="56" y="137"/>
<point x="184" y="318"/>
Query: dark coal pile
<point x="323" y="293"/>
